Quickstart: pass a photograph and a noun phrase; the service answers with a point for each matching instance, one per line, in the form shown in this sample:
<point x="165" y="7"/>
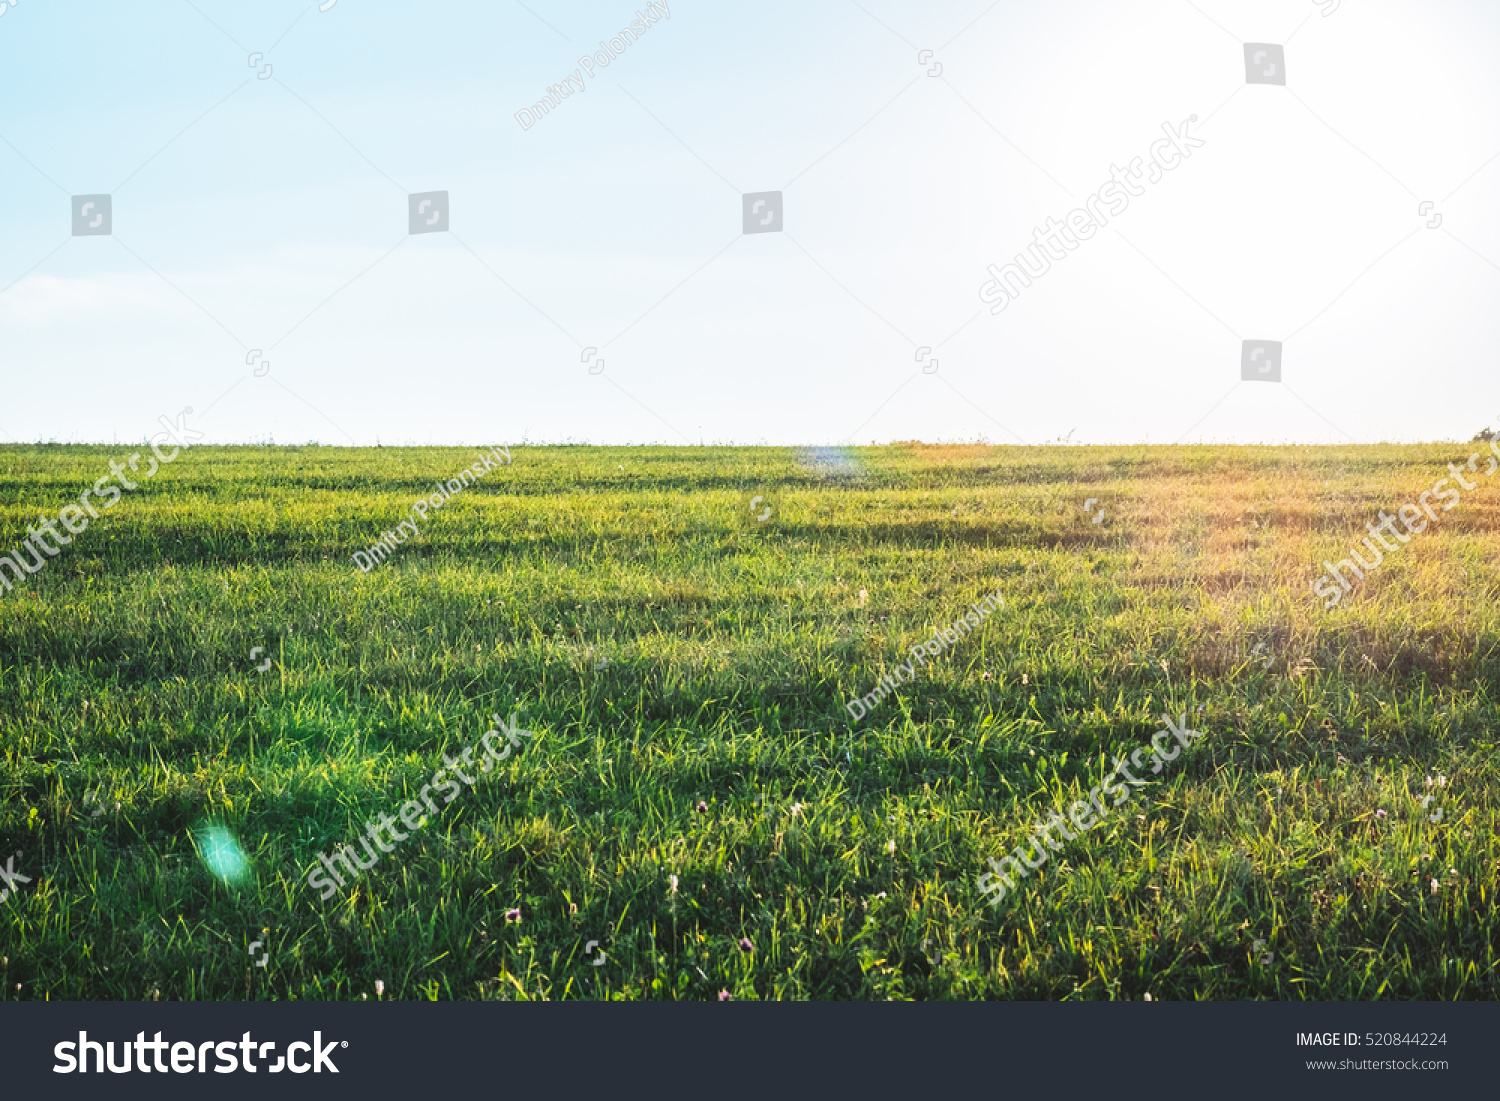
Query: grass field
<point x="696" y="798"/>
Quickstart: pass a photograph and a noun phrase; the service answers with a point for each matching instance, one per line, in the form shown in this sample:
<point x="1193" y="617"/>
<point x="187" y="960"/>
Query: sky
<point x="595" y="283"/>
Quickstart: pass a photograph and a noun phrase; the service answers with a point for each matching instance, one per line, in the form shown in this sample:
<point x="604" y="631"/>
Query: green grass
<point x="731" y="646"/>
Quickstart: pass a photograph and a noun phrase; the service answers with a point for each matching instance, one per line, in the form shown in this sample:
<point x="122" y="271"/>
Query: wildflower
<point x="379" y="988"/>
<point x="745" y="945"/>
<point x="1434" y="886"/>
<point x="671" y="884"/>
<point x="723" y="995"/>
<point x="1025" y="678"/>
<point x="864" y="596"/>
<point x="1380" y="814"/>
<point x="796" y="809"/>
<point x="513" y="915"/>
<point x="890" y="847"/>
<point x="1148" y="997"/>
<point x="702" y="807"/>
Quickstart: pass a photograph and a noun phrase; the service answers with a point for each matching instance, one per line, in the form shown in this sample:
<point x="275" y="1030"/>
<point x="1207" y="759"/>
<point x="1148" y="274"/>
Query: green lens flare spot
<point x="221" y="852"/>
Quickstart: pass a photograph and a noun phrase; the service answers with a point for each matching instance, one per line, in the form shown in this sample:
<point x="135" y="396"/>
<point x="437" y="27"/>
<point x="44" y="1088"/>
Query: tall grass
<point x="685" y="666"/>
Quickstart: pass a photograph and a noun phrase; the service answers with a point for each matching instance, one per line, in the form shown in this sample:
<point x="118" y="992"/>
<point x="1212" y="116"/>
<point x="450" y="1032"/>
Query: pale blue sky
<point x="616" y="221"/>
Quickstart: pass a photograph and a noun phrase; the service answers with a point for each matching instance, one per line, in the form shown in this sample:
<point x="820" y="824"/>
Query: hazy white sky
<point x="242" y="208"/>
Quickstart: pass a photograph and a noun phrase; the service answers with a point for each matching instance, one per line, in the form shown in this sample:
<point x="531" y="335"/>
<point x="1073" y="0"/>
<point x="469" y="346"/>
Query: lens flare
<point x="830" y="462"/>
<point x="221" y="852"/>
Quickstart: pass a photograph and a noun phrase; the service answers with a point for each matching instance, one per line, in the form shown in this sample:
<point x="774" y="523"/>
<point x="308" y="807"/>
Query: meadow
<point x="696" y="799"/>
